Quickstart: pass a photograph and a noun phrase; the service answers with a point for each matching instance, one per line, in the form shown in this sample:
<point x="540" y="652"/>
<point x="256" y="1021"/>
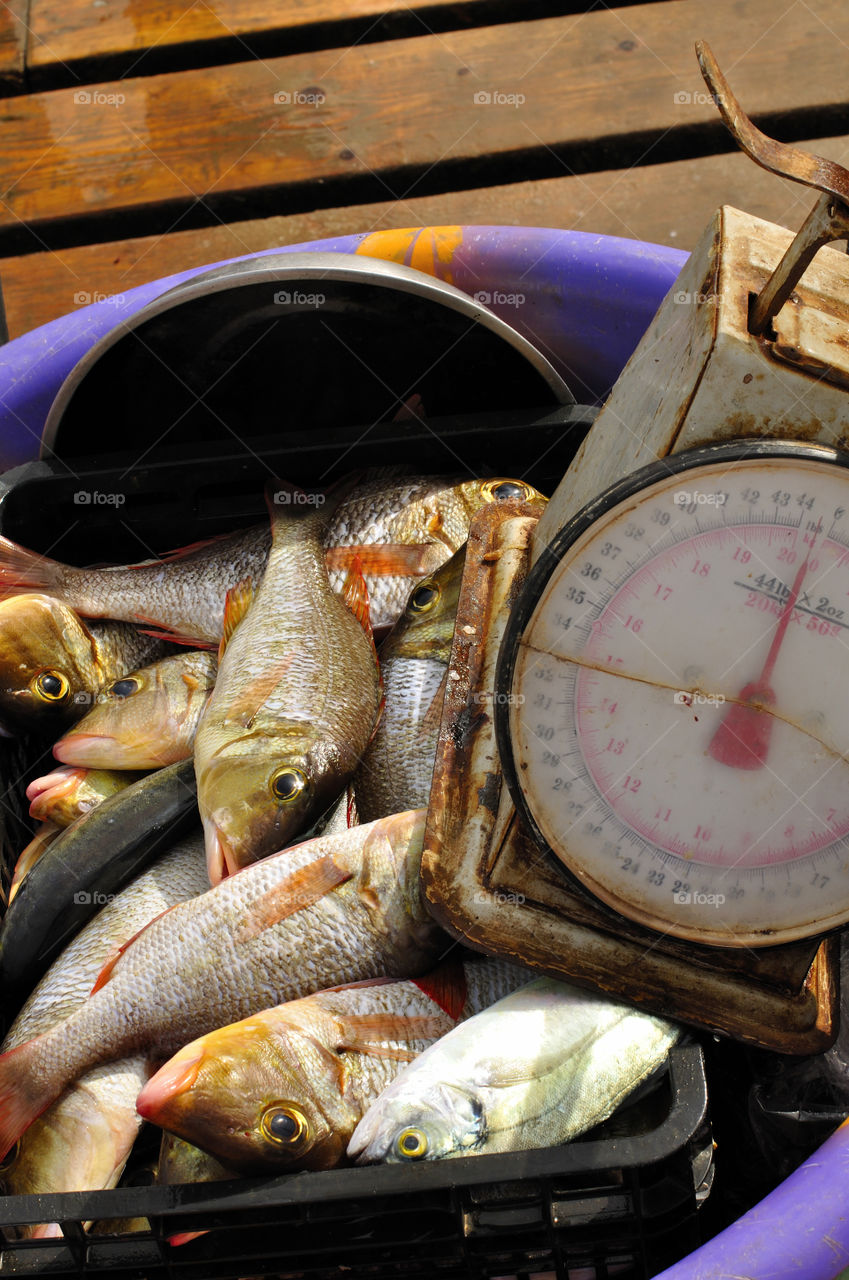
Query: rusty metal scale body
<point x="644" y="750"/>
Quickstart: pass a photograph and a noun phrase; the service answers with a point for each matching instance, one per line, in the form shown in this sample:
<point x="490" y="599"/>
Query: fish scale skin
<point x="187" y="594"/>
<point x="82" y="1141"/>
<point x="486" y="981"/>
<point x="317" y="714"/>
<point x="539" y="1067"/>
<point x="178" y="875"/>
<point x="313" y="1052"/>
<point x="397" y="770"/>
<point x="373" y="925"/>
<point x="122" y="648"/>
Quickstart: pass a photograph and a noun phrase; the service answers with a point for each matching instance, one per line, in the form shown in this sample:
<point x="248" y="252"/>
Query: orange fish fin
<point x="356" y="597"/>
<point x="185" y="1237"/>
<point x="386" y="559"/>
<point x="247" y="704"/>
<point x="366" y="1033"/>
<point x="179" y="553"/>
<point x="153" y="627"/>
<point x="23" y="571"/>
<point x="22" y="1098"/>
<point x="117" y="951"/>
<point x="446" y="986"/>
<point x="411" y="409"/>
<point x="301" y="889"/>
<point x="236" y="604"/>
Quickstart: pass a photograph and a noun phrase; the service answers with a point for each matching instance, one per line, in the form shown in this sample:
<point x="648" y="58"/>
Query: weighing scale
<point x="642" y="779"/>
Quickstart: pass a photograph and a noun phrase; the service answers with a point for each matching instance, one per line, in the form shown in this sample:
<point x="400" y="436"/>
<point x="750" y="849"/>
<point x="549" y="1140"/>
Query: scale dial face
<point x="673" y="707"/>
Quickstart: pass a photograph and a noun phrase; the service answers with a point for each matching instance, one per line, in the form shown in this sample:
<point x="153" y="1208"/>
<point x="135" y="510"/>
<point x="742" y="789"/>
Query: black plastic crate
<point x="622" y="1202"/>
<point x="603" y="1206"/>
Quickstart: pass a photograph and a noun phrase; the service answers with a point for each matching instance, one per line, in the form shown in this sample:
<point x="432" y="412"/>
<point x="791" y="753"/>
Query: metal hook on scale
<point x="829" y="218"/>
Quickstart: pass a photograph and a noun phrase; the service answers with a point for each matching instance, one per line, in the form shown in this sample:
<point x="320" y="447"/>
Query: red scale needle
<point x="742" y="739"/>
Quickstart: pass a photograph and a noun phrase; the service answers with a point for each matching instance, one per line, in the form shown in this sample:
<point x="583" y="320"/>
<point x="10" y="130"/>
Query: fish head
<point x="255" y="798"/>
<point x="426" y="627"/>
<point x="67" y="793"/>
<point x="48" y="663"/>
<point x="262" y="1094"/>
<point x="144" y="720"/>
<point x="471" y="495"/>
<point x="445" y="1120"/>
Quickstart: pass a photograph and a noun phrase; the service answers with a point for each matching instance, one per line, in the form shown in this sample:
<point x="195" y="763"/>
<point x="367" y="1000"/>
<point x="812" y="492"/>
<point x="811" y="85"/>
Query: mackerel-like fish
<point x="537" y="1068"/>
<point x="145" y="720"/>
<point x="411" y="526"/>
<point x="333" y="910"/>
<point x="396" y="770"/>
<point x="293" y="708"/>
<point x="285" y="1088"/>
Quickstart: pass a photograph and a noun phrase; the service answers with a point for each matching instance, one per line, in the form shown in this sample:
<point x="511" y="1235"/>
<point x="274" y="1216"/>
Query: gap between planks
<point x="664" y="204"/>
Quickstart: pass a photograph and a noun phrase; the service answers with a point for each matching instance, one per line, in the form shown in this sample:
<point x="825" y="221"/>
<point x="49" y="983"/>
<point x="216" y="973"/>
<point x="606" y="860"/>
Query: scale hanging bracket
<point x="829" y="218"/>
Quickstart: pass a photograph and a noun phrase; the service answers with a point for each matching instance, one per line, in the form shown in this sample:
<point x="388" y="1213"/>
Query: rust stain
<point x="489" y="793"/>
<point x="428" y="249"/>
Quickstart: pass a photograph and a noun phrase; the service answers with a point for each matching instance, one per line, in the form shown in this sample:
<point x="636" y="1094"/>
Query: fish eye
<point x="502" y="490"/>
<point x="287" y="784"/>
<point x="124" y="688"/>
<point x="411" y="1144"/>
<point x="424" y="597"/>
<point x="285" y="1125"/>
<point x="51" y="685"/>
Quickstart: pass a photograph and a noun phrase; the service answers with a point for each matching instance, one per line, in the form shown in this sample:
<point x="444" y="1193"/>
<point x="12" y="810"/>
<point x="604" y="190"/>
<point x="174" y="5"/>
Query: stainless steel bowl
<point x="268" y="348"/>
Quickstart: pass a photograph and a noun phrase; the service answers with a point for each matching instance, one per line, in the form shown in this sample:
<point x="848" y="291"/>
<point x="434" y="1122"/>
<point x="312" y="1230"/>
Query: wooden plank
<point x="13" y="42"/>
<point x="143" y="38"/>
<point x="664" y="204"/>
<point x="386" y="116"/>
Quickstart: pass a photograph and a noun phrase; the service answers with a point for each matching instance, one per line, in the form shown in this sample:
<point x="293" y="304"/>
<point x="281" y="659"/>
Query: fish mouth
<point x="169" y="1083"/>
<point x="221" y="860"/>
<point x="45" y="791"/>
<point x="92" y="750"/>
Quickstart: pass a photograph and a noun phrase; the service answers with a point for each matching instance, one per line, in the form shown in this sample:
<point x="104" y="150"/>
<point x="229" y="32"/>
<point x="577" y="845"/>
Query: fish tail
<point x="24" y="1093"/>
<point x="25" y="571"/>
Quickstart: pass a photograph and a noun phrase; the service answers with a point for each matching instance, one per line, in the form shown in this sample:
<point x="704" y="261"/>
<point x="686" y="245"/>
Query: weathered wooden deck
<point x="141" y="137"/>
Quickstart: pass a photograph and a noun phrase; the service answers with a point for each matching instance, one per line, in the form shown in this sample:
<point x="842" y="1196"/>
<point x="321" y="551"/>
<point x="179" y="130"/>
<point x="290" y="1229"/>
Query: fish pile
<point x="218" y="926"/>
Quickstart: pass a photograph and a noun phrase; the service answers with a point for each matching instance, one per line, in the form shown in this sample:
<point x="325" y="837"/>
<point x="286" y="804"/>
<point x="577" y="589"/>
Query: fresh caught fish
<point x="293" y="707"/>
<point x="396" y="771"/>
<point x="413" y="525"/>
<point x="89" y="861"/>
<point x="52" y="664"/>
<point x="285" y="1088"/>
<point x="539" y="1067"/>
<point x="82" y="1141"/>
<point x="333" y="910"/>
<point x="66" y="794"/>
<point x="180" y="1162"/>
<point x="146" y="719"/>
<point x="57" y="800"/>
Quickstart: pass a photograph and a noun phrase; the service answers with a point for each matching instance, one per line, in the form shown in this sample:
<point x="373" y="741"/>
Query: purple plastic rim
<point x="800" y="1231"/>
<point x="586" y="301"/>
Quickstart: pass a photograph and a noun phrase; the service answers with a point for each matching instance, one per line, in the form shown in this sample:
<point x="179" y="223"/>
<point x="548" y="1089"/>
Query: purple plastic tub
<point x="583" y="300"/>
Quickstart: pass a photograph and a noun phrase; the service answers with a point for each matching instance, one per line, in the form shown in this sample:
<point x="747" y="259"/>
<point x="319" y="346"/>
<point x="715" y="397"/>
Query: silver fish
<point x="537" y="1068"/>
